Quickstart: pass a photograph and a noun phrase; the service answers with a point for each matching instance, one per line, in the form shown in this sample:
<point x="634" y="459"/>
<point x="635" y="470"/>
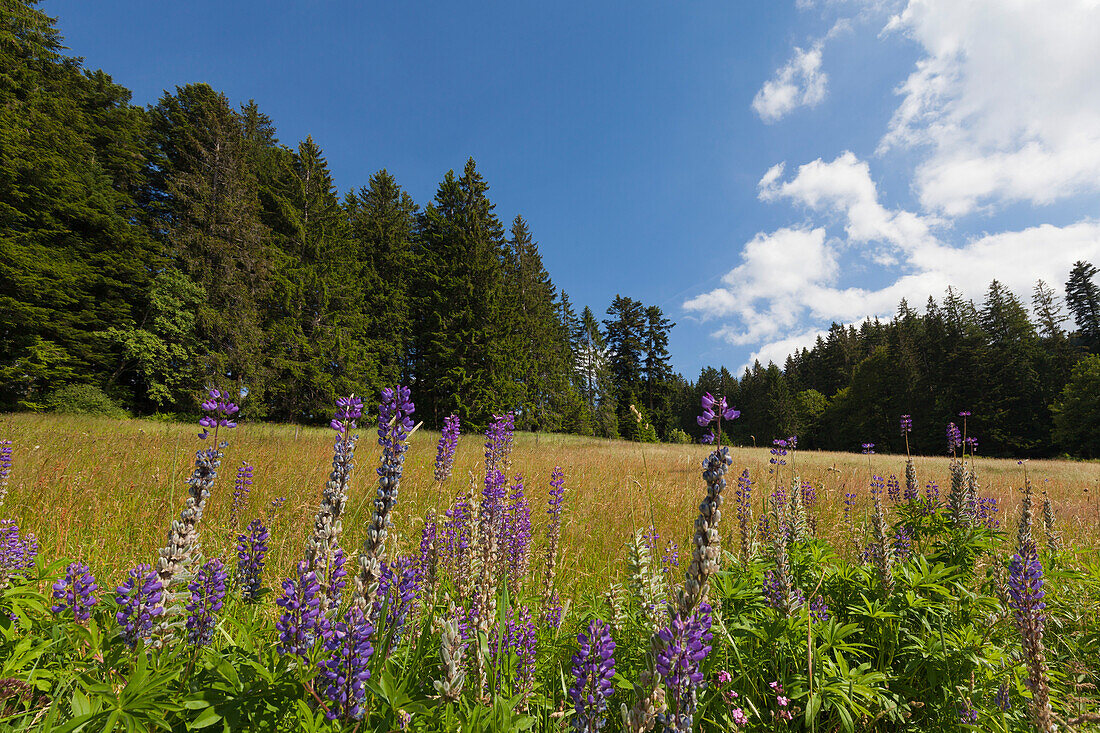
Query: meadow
<point x="802" y="631"/>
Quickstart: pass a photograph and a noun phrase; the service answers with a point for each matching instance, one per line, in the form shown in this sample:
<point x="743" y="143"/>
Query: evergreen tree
<point x="76" y="259"/>
<point x="1083" y="300"/>
<point x="204" y="203"/>
<point x="462" y="362"/>
<point x="658" y="369"/>
<point x="1048" y="311"/>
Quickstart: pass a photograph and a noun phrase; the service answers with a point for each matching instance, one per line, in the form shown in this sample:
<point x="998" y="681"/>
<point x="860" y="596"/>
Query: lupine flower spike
<point x="17" y="551"/>
<point x="75" y="592"/>
<point x="241" y="488"/>
<point x="207" y="596"/>
<point x="139" y="603"/>
<point x="251" y="551"/>
<point x="445" y="451"/>
<point x="324" y="542"/>
<point x="394" y="427"/>
<point x="715" y="410"/>
<point x="347" y="670"/>
<point x="593" y="672"/>
<point x="5" y="468"/>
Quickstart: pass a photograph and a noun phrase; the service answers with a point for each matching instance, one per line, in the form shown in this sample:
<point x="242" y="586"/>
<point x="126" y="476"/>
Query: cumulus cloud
<point x="798" y="83"/>
<point x="788" y="283"/>
<point x="1003" y="103"/>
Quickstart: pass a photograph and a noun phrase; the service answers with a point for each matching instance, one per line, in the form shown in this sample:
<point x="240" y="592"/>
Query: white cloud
<point x="1003" y="104"/>
<point x="798" y="83"/>
<point x="787" y="285"/>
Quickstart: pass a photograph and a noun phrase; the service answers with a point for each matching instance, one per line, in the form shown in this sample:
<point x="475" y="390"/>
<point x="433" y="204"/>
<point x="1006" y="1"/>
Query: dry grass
<point x="104" y="490"/>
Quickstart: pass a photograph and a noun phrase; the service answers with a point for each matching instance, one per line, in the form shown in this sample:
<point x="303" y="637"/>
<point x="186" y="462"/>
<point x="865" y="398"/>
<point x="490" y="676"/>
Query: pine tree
<point x="1083" y="300"/>
<point x="658" y="369"/>
<point x="1048" y="311"/>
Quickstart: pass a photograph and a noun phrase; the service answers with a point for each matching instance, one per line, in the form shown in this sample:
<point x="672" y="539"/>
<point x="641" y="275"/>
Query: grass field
<point x="105" y="490"/>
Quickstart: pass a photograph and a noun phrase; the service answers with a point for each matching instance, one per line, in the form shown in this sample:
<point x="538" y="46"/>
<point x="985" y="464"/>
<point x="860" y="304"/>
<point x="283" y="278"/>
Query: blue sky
<point x="758" y="170"/>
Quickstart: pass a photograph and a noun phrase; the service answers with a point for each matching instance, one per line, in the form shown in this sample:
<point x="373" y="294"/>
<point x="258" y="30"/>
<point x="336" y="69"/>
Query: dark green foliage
<point x="1077" y="413"/>
<point x="83" y="399"/>
<point x="1083" y="300"/>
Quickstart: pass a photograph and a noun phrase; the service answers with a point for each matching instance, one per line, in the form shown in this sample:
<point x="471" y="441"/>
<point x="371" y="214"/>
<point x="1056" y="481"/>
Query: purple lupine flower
<point x="348" y="410"/>
<point x="778" y="595"/>
<point x="75" y="592"/>
<point x="334" y="576"/>
<point x="779" y="452"/>
<point x="139" y="602"/>
<point x="987" y="512"/>
<point x="219" y="413"/>
<point x="932" y="496"/>
<point x="849" y="504"/>
<point x="967" y="714"/>
<point x="876" y="487"/>
<point x="17" y="552"/>
<point x="241" y="488"/>
<point x="744" y="513"/>
<point x="906" y="424"/>
<point x="397" y="590"/>
<point x="972" y="444"/>
<point x="893" y="489"/>
<point x="593" y="672"/>
<point x="1002" y="699"/>
<point x="954" y="437"/>
<point x="251" y="551"/>
<point x="426" y="558"/>
<point x="457" y="533"/>
<point x="809" y="494"/>
<point x="551" y="612"/>
<point x="964" y="414"/>
<point x="346" y="670"/>
<point x="300" y="620"/>
<point x="5" y="468"/>
<point x="520" y="639"/>
<point x="708" y="438"/>
<point x="274" y="507"/>
<point x="1025" y="590"/>
<point x="903" y="543"/>
<point x="207" y="595"/>
<point x="445" y="451"/>
<point x="683" y="645"/>
<point x="517" y="541"/>
<point x="868" y="448"/>
<point x="715" y="409"/>
<point x="499" y="438"/>
<point x="819" y="610"/>
<point x="394" y="425"/>
<point x="912" y="491"/>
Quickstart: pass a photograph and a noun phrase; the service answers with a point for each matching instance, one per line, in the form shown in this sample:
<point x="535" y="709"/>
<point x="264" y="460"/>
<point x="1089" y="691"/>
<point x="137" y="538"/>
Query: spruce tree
<point x="1083" y="300"/>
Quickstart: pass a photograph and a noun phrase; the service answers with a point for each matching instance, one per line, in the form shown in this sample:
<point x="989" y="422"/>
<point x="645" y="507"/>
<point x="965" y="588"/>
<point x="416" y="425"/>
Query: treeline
<point x="150" y="252"/>
<point x="1031" y="385"/>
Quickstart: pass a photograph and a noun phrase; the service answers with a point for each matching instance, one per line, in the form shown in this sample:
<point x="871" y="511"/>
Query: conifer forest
<point x="278" y="457"/>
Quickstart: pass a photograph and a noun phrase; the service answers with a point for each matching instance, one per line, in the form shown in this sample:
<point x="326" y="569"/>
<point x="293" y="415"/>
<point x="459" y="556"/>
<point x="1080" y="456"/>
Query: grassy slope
<point x="105" y="490"/>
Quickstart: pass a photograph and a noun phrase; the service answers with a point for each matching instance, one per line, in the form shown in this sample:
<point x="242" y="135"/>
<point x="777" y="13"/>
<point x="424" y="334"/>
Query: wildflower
<point x="516" y="534"/>
<point x="1026" y="600"/>
<point x="346" y="670"/>
<point x="1001" y="699"/>
<point x="499" y="439"/>
<point x="684" y="644"/>
<point x="207" y="595"/>
<point x="954" y="438"/>
<point x="903" y="543"/>
<point x="868" y="448"/>
<point x="881" y="552"/>
<point x="780" y="593"/>
<point x="593" y="671"/>
<point x="715" y="411"/>
<point x="551" y="612"/>
<point x="251" y="551"/>
<point x="778" y="453"/>
<point x="348" y="410"/>
<point x="5" y="468"/>
<point x="708" y="438"/>
<point x="738" y="716"/>
<point x="707" y="541"/>
<point x="967" y="714"/>
<point x="819" y="610"/>
<point x="457" y="534"/>
<point x="724" y="677"/>
<point x="183" y="536"/>
<point x="893" y="489"/>
<point x="744" y="514"/>
<point x="520" y="640"/>
<point x="451" y="649"/>
<point x="1053" y="537"/>
<point x="396" y="593"/>
<point x="553" y="529"/>
<point x="931" y="497"/>
<point x="394" y="426"/>
<point x="906" y="424"/>
<point x="241" y="488"/>
<point x="987" y="512"/>
<point x="139" y="602"/>
<point x="219" y="413"/>
<point x="75" y="592"/>
<point x="912" y="491"/>
<point x="445" y="451"/>
<point x="17" y="552"/>
<point x="300" y="618"/>
<point x="427" y="558"/>
<point x="324" y="541"/>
